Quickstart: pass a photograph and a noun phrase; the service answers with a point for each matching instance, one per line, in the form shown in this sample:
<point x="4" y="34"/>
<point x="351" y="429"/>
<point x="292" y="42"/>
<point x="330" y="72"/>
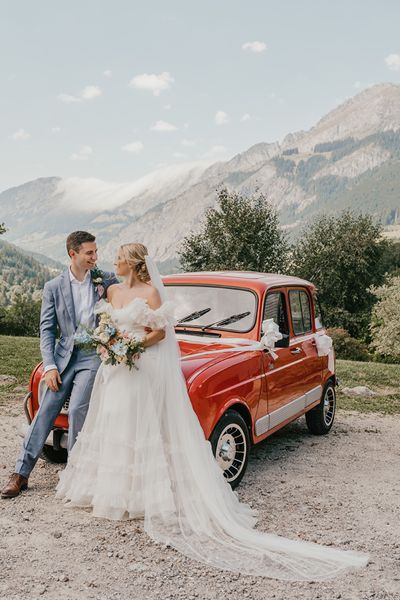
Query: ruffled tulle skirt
<point x="142" y="453"/>
<point x="119" y="464"/>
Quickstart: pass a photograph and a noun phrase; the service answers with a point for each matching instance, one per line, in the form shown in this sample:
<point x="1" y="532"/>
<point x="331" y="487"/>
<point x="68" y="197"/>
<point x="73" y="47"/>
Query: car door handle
<point x="295" y="351"/>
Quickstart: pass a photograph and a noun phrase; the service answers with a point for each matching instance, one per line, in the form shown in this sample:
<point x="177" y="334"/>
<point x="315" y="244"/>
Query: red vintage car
<point x="240" y="397"/>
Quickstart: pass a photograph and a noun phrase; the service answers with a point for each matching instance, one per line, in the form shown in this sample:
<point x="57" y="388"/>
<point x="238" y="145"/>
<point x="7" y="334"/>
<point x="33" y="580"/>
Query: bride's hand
<point x="153" y="337"/>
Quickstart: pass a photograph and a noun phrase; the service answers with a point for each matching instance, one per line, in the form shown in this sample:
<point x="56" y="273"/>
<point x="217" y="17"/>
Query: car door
<point x="283" y="376"/>
<point x="303" y="343"/>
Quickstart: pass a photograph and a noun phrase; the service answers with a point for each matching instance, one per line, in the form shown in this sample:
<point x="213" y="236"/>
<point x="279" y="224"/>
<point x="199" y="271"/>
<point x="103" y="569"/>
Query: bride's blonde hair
<point x="135" y="257"/>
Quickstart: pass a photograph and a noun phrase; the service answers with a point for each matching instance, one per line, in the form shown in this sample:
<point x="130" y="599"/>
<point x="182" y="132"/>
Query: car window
<point x="275" y="308"/>
<point x="300" y="311"/>
<point x="213" y="304"/>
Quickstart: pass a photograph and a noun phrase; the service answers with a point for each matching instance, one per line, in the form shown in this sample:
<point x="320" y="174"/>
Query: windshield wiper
<point x="194" y="315"/>
<point x="227" y="321"/>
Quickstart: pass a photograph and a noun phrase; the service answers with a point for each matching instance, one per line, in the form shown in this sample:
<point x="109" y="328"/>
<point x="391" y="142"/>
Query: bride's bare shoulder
<point x="153" y="297"/>
<point x="112" y="289"/>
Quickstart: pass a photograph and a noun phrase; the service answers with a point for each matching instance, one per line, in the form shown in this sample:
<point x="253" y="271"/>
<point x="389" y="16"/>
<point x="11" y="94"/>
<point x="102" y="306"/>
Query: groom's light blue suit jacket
<point x="58" y="318"/>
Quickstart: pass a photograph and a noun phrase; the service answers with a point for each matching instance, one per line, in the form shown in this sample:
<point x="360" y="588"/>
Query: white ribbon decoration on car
<point x="267" y="342"/>
<point x="324" y="345"/>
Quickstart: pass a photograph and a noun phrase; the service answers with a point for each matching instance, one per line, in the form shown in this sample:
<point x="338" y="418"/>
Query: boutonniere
<point x="97" y="276"/>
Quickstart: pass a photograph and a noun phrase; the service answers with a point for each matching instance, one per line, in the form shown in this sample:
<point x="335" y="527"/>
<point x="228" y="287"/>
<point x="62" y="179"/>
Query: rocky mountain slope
<point x="349" y="159"/>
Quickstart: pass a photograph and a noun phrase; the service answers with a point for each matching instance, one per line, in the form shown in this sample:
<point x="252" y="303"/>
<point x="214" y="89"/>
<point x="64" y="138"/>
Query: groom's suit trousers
<point x="77" y="383"/>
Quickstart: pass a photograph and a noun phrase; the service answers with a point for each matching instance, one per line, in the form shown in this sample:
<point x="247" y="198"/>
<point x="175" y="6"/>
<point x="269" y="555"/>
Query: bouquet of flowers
<point x="114" y="347"/>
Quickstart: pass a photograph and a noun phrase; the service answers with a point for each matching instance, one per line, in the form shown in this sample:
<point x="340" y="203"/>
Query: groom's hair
<point x="77" y="238"/>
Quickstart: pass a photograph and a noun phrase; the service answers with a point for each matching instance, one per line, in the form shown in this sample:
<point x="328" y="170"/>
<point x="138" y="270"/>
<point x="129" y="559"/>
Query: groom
<point x="68" y="303"/>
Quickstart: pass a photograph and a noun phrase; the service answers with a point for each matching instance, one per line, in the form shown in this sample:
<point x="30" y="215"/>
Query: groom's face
<point x="86" y="257"/>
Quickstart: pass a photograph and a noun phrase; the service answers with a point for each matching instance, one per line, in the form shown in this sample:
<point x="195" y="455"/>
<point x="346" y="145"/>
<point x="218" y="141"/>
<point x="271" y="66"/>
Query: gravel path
<point x="341" y="490"/>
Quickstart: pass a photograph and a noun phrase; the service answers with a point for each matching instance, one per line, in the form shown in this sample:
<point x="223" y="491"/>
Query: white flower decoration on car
<point x="271" y="336"/>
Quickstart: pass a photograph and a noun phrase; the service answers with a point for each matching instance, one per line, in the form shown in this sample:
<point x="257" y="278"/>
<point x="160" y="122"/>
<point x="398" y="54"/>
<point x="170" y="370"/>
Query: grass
<point x="18" y="356"/>
<point x="381" y="378"/>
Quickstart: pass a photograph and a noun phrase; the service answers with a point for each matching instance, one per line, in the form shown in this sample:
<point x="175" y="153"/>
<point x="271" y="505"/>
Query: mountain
<point x="349" y="159"/>
<point x="21" y="274"/>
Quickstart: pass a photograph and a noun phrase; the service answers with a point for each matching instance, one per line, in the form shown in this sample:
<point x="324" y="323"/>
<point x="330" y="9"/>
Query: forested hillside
<point x="21" y="274"/>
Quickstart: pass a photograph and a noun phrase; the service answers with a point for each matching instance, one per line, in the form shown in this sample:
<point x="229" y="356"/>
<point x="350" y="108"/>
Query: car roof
<point x="236" y="278"/>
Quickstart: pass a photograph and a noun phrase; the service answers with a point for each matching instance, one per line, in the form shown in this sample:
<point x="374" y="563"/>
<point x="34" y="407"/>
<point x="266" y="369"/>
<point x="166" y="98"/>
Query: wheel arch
<point x="243" y="410"/>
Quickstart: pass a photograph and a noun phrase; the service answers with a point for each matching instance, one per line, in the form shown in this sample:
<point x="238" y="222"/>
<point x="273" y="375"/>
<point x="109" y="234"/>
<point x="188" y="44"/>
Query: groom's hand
<point x="52" y="379"/>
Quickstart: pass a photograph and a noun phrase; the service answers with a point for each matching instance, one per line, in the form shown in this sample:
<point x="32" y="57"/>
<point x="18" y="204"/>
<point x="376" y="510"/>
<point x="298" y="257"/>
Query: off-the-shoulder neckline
<point x="126" y="305"/>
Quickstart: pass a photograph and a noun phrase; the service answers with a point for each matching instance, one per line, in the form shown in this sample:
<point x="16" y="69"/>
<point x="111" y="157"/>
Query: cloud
<point x="167" y="106"/>
<point x="163" y="126"/>
<point x="245" y="117"/>
<point x="89" y="194"/>
<point x="107" y="73"/>
<point x="88" y="93"/>
<point x="393" y="62"/>
<point x="152" y="83"/>
<point x="134" y="147"/>
<point x="256" y="47"/>
<point x="55" y="130"/>
<point x="179" y="155"/>
<point x="21" y="135"/>
<point x="221" y="118"/>
<point x="83" y="153"/>
<point x="188" y="143"/>
<point x="68" y="99"/>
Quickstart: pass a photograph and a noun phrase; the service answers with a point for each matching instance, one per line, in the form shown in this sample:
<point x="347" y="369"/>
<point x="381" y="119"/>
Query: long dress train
<point x="142" y="453"/>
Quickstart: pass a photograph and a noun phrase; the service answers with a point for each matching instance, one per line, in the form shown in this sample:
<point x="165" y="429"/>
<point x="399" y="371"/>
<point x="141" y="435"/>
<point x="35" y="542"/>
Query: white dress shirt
<point x="83" y="297"/>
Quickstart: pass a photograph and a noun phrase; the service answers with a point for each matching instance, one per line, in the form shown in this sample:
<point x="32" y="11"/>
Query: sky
<point x="113" y="90"/>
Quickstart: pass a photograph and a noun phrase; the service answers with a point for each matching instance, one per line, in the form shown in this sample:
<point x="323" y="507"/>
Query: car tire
<point x="54" y="456"/>
<point x="320" y="419"/>
<point x="230" y="443"/>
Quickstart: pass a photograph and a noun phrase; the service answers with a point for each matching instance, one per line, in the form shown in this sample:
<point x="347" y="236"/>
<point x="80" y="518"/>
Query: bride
<point x="142" y="452"/>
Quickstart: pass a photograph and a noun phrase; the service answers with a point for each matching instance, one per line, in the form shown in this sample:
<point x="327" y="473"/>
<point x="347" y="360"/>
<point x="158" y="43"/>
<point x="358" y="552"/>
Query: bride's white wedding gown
<point x="142" y="453"/>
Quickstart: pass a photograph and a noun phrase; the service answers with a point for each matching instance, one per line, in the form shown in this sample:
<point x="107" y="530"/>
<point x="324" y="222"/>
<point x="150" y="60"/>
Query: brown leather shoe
<point x="15" y="485"/>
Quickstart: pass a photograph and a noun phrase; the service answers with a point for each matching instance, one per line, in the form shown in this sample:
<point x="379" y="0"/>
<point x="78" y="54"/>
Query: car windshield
<point x="207" y="305"/>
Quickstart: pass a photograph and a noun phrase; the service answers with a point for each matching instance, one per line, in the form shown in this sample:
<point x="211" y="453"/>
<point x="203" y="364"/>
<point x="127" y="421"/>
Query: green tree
<point x="2" y="228"/>
<point x="385" y="322"/>
<point x="21" y="318"/>
<point x="241" y="233"/>
<point x="343" y="256"/>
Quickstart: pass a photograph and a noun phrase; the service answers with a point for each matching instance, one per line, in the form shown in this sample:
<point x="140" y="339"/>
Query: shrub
<point x="385" y="322"/>
<point x="347" y="347"/>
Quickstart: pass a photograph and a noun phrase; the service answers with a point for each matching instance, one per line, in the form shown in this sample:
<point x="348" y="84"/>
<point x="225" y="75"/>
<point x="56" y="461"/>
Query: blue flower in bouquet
<point x="82" y="337"/>
<point x="110" y="330"/>
<point x="120" y="348"/>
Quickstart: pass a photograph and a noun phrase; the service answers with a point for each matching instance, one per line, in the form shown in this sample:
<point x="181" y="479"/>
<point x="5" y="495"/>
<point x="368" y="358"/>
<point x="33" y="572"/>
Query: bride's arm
<point x="156" y="335"/>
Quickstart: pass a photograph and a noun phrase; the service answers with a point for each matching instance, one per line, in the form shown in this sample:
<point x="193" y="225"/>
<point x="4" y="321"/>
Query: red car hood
<point x="190" y="366"/>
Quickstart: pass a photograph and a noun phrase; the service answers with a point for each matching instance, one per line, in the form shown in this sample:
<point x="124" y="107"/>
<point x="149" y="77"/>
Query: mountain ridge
<point x="349" y="158"/>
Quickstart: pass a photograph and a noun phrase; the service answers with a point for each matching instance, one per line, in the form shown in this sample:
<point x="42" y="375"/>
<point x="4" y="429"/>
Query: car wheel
<point x="54" y="456"/>
<point x="230" y="442"/>
<point x="320" y="419"/>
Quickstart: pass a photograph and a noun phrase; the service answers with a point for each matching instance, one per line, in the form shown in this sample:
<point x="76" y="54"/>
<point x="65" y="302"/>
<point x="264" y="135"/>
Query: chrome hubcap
<point x="231" y="451"/>
<point x="329" y="406"/>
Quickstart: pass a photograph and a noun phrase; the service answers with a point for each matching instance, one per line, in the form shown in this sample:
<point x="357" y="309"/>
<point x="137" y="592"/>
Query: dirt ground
<point x="342" y="490"/>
